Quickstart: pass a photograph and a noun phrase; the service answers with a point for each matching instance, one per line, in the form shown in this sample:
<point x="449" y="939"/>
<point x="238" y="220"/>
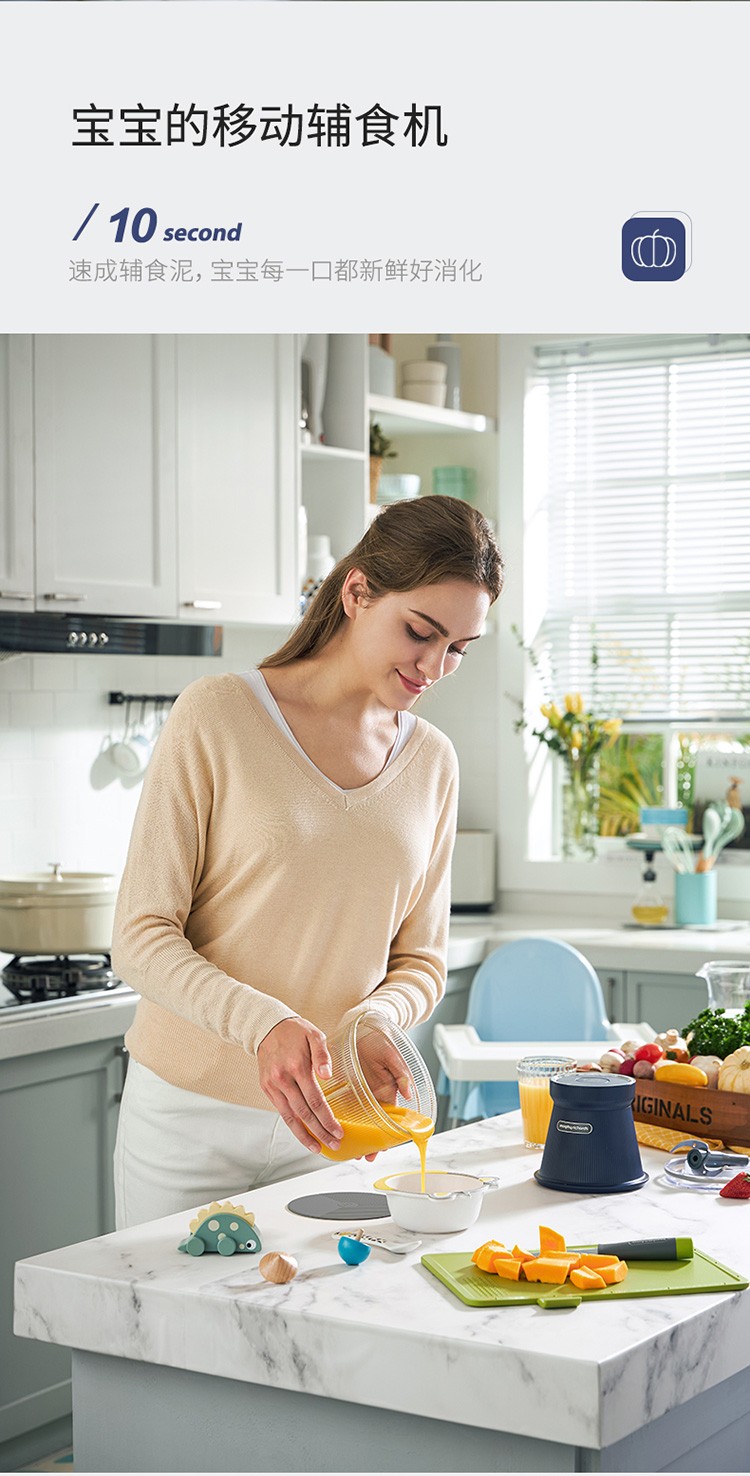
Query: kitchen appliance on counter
<point x="473" y="878"/>
<point x="591" y="1147"/>
<point x="31" y="983"/>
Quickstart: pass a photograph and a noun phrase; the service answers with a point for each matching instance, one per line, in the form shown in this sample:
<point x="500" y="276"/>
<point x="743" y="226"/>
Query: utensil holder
<point x="695" y="897"/>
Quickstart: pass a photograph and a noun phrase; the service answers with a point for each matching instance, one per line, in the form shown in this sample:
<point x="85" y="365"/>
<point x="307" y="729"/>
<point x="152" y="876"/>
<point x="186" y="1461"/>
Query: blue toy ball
<point x="352" y="1251"/>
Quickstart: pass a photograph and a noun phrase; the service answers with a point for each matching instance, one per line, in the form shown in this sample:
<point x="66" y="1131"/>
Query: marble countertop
<point x="386" y="1333"/>
<point x="658" y="950"/>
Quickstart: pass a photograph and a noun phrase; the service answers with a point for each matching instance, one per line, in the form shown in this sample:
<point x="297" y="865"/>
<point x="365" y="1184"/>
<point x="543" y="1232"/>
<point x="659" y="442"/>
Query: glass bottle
<point x="649" y="909"/>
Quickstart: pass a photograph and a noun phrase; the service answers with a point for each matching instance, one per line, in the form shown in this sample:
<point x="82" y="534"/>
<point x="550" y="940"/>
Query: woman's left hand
<point x="386" y="1072"/>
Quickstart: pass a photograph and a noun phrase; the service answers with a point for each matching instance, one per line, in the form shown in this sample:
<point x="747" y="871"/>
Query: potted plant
<point x="380" y="448"/>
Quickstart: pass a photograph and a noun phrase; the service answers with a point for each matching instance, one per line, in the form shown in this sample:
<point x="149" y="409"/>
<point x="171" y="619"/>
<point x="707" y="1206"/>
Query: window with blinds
<point x="645" y="500"/>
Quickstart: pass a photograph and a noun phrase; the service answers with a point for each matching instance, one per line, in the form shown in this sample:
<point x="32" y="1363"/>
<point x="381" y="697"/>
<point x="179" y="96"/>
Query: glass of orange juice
<point x="534" y="1076"/>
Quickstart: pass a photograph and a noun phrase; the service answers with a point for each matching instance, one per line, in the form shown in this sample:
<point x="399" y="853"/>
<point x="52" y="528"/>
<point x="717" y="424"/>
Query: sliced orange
<point x="550" y="1240"/>
<point x="612" y="1274"/>
<point x="506" y="1268"/>
<point x="586" y="1279"/>
<point x="522" y="1255"/>
<point x="485" y="1255"/>
<point x="545" y="1269"/>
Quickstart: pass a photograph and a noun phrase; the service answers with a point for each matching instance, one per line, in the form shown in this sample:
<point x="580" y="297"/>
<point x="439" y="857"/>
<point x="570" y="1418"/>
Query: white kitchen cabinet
<point x="16" y="474"/>
<point x="237" y="474"/>
<point x="159" y="476"/>
<point x="105" y="474"/>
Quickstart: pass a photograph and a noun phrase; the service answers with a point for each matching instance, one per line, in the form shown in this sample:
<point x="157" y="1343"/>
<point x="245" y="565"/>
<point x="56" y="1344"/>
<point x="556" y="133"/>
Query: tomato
<point x="651" y="1052"/>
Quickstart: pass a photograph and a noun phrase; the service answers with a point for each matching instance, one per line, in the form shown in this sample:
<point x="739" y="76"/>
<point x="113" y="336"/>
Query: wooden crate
<point x="697" y="1112"/>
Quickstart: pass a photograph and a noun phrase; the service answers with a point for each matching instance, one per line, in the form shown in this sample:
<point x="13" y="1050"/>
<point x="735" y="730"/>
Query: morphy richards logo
<point x="575" y="1127"/>
<point x="656" y="246"/>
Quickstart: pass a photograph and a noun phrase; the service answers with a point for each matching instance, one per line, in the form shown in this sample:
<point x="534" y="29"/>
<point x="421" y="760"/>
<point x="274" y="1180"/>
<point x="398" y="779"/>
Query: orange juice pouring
<point x="380" y="1090"/>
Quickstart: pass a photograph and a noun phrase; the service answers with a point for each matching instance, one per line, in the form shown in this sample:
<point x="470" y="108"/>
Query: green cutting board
<point x="644" y="1279"/>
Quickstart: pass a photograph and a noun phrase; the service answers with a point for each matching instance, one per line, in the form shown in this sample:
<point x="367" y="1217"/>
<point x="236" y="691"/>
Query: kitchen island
<point x="184" y="1364"/>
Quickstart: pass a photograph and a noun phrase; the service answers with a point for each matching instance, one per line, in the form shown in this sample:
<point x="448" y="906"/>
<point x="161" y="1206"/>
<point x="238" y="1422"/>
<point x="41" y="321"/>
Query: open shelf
<point x="317" y="452"/>
<point x="410" y="417"/>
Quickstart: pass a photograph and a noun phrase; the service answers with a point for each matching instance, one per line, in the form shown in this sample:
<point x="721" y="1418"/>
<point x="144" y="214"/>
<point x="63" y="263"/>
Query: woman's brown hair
<point x="421" y="541"/>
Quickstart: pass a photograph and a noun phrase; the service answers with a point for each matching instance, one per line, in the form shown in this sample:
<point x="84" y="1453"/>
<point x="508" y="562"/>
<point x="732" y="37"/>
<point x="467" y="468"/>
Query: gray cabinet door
<point x="613" y="989"/>
<point x="664" y="1000"/>
<point x="58" y="1118"/>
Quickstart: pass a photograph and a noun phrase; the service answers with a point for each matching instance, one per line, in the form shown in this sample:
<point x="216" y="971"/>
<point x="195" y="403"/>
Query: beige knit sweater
<point x="254" y="890"/>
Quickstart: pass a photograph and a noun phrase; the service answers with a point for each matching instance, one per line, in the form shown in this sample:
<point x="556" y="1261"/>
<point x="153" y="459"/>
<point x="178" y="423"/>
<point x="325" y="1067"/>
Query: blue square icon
<point x="654" y="248"/>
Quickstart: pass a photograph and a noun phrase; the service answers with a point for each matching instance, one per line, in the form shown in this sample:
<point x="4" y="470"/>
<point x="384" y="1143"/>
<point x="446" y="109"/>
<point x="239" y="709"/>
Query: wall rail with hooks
<point x="118" y="699"/>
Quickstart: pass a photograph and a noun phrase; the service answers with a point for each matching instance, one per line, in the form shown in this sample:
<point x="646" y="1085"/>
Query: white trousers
<point x="178" y="1150"/>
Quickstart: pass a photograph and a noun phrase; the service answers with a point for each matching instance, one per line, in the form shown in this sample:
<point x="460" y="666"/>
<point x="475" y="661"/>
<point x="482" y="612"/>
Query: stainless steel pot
<point x="57" y="912"/>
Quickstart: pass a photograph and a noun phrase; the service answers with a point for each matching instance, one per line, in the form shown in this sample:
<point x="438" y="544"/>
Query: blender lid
<point x="597" y="1089"/>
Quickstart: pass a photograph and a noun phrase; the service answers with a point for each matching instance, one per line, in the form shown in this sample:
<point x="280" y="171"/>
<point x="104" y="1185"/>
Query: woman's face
<point x="404" y="643"/>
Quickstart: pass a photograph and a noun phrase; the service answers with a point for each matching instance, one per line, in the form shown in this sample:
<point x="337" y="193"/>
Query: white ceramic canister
<point x="445" y="351"/>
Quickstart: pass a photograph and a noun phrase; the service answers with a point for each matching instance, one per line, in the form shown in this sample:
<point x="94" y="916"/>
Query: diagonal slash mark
<point x="82" y="227"/>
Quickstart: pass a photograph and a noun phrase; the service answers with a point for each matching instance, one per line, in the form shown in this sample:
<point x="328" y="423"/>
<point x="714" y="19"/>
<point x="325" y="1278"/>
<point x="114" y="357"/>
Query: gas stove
<point x="32" y="983"/>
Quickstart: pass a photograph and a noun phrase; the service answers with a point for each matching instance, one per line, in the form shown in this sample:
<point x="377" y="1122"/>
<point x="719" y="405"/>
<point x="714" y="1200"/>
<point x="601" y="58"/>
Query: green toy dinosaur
<point x="225" y="1228"/>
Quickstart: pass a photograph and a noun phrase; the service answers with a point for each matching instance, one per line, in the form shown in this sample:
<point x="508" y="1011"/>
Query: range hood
<point x="110" y="634"/>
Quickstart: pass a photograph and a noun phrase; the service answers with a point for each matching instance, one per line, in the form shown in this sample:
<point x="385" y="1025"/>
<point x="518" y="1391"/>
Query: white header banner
<point x="244" y="165"/>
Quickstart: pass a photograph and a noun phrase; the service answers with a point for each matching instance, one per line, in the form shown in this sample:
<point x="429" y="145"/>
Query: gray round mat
<point x="340" y="1206"/>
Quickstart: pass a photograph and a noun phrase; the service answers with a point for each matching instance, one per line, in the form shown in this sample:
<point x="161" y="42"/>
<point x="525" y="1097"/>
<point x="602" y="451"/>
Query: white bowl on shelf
<point x="426" y="371"/>
<point x="425" y="393"/>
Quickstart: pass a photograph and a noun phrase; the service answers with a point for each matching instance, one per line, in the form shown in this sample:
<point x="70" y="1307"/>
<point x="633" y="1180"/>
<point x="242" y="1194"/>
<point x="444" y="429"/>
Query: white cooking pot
<point x="57" y="912"/>
<point x="450" y="1202"/>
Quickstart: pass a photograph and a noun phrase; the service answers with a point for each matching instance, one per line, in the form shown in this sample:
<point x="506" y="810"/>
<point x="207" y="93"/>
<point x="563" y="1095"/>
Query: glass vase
<point x="580" y="812"/>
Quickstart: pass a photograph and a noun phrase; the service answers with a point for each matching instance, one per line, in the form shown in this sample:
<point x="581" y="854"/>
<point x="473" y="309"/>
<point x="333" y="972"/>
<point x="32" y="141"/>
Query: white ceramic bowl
<point x="429" y="371"/>
<point x="427" y="393"/>
<point x="451" y="1201"/>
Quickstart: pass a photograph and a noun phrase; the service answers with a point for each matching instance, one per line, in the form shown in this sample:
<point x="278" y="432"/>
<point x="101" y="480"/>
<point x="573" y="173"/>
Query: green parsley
<point x="715" y="1033"/>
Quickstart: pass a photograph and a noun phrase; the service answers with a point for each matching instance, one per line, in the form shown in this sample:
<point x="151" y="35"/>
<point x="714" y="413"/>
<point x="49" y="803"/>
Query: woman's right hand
<point x="290" y="1058"/>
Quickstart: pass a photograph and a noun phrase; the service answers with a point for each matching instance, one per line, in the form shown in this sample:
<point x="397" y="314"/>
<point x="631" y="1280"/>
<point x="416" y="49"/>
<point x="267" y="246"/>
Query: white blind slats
<point x="647" y="504"/>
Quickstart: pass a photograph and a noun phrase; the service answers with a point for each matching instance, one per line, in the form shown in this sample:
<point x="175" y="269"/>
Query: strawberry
<point x="737" y="1188"/>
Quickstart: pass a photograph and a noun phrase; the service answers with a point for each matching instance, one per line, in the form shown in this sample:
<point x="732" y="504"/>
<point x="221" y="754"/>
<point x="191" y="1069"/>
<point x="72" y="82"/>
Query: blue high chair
<point x="530" y="988"/>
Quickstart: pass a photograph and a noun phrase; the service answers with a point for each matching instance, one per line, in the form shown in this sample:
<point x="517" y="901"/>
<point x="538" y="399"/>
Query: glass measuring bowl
<point x="728" y="983"/>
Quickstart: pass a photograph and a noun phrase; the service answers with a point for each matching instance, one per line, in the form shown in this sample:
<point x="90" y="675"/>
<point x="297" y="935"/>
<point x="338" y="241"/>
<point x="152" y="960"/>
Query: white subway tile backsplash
<point x="14" y="744"/>
<point x="96" y="673"/>
<point x="35" y="777"/>
<point x="31" y="709"/>
<point x="15" y="673"/>
<point x="51" y="673"/>
<point x="16" y="810"/>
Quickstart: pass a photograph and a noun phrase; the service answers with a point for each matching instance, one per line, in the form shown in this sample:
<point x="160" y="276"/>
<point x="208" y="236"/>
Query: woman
<point x="290" y="865"/>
